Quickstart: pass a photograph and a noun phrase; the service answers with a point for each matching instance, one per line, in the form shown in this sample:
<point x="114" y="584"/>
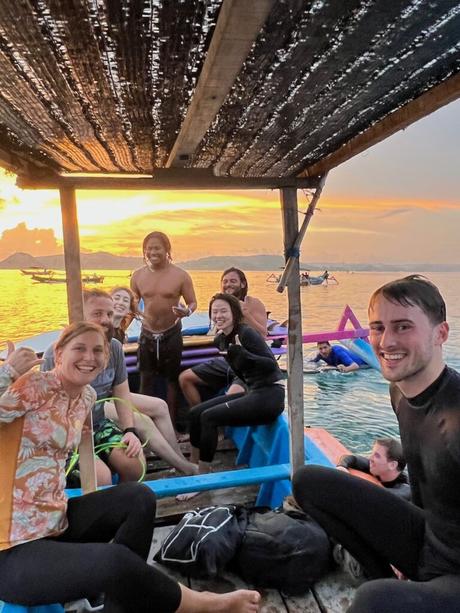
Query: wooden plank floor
<point x="333" y="594"/>
<point x="224" y="460"/>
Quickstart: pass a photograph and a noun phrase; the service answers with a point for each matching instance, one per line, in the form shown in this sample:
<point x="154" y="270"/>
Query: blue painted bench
<point x="211" y="481"/>
<point x="6" y="607"/>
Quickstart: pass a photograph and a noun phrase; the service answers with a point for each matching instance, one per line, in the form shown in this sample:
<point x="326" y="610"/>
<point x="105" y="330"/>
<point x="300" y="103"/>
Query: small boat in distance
<point x="36" y="270"/>
<point x="52" y="277"/>
<point x="306" y="279"/>
<point x="94" y="278"/>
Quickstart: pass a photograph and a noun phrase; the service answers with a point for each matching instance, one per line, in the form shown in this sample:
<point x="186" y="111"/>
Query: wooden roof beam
<point x="430" y="101"/>
<point x="166" y="179"/>
<point x="238" y="25"/>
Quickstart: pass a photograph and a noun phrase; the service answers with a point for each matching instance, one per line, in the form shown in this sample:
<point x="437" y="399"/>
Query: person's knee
<point x="377" y="597"/>
<point x="305" y="477"/>
<point x="187" y="378"/>
<point x="138" y="496"/>
<point x="152" y="406"/>
<point x="128" y="469"/>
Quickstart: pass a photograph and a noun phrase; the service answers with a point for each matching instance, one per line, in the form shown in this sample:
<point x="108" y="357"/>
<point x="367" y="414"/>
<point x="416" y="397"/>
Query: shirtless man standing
<point x="216" y="373"/>
<point x="161" y="285"/>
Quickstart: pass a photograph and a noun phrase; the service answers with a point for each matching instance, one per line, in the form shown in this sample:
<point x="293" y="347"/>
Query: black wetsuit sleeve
<point x="402" y="490"/>
<point x="358" y="462"/>
<point x="252" y="351"/>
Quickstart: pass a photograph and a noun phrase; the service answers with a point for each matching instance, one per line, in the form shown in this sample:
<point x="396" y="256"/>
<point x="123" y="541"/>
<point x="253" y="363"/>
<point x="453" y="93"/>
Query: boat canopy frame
<point x="222" y="94"/>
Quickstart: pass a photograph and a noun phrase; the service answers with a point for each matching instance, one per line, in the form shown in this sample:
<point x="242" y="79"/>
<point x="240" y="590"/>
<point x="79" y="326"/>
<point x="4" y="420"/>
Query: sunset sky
<point x="399" y="202"/>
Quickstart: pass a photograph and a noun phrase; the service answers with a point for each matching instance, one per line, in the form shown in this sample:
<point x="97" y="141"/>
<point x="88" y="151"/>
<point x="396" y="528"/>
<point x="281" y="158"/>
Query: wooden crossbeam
<point x="238" y="25"/>
<point x="420" y="107"/>
<point x="165" y="179"/>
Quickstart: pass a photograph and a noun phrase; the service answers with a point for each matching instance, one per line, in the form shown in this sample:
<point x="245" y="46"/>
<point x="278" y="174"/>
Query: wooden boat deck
<point x="333" y="594"/>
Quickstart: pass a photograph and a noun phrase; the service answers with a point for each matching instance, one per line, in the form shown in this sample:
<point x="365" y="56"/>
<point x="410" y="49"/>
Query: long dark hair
<point x="235" y="308"/>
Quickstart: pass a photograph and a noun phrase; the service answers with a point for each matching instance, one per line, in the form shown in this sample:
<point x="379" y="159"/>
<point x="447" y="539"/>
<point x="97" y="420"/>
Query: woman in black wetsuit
<point x="252" y="361"/>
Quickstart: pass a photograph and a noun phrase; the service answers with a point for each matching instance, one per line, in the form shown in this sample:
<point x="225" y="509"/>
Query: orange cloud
<point x="36" y="241"/>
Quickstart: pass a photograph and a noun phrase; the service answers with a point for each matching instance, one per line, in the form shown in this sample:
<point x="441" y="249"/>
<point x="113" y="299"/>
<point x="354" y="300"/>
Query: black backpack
<point x="288" y="551"/>
<point x="204" y="541"/>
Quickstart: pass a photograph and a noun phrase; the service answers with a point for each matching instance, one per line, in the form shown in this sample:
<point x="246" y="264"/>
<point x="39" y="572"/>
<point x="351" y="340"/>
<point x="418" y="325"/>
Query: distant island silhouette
<point x="103" y="260"/>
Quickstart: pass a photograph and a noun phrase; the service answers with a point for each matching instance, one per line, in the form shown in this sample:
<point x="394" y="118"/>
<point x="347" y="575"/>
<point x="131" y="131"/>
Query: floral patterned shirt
<point x="39" y="425"/>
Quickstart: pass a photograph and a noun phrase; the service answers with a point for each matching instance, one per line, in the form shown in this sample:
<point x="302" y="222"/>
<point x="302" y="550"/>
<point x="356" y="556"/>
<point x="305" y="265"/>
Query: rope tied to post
<point x="292" y="252"/>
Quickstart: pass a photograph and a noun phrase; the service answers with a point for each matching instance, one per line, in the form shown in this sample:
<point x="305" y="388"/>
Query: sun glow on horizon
<point x="203" y="223"/>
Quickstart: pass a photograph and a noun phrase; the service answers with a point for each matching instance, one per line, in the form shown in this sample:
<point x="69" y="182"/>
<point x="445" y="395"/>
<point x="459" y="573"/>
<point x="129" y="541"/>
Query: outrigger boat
<point x="36" y="271"/>
<point x="305" y="279"/>
<point x="233" y="95"/>
<point x="50" y="278"/>
<point x="53" y="277"/>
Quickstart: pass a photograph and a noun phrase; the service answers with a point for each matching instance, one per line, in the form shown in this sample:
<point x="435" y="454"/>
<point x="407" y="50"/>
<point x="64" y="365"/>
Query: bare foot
<point x="240" y="601"/>
<point x="188" y="496"/>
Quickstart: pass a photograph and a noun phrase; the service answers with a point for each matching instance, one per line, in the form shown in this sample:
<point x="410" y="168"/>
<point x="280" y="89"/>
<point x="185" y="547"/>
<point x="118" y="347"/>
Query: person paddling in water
<point x="162" y="286"/>
<point x="58" y="550"/>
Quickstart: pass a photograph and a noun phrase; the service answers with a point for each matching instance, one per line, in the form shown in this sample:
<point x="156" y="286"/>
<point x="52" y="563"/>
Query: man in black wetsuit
<point x="422" y="540"/>
<point x="386" y="463"/>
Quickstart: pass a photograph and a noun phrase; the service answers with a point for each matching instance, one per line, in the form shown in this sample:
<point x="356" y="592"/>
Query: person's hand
<point x="181" y="310"/>
<point x="341" y="368"/>
<point x="133" y="445"/>
<point x="21" y="360"/>
<point x="342" y="468"/>
<point x="244" y="306"/>
<point x="398" y="573"/>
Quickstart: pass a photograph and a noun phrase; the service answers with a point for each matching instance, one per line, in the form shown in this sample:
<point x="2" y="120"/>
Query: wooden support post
<point x="299" y="238"/>
<point x="75" y="310"/>
<point x="295" y="358"/>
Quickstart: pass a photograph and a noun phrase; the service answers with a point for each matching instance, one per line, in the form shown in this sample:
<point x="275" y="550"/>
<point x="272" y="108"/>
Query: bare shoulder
<point x="254" y="303"/>
<point x="180" y="272"/>
<point x="136" y="275"/>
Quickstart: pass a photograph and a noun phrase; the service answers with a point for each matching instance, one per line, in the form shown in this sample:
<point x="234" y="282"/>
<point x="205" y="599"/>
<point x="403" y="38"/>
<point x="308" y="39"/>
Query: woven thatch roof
<point x="243" y="87"/>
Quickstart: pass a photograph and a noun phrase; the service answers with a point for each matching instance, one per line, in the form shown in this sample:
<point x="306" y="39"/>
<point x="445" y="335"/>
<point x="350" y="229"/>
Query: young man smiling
<point x="161" y="285"/>
<point x="408" y="326"/>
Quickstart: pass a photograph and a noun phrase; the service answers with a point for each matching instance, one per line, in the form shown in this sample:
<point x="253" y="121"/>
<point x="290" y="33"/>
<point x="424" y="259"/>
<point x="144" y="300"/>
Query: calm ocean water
<point x="354" y="407"/>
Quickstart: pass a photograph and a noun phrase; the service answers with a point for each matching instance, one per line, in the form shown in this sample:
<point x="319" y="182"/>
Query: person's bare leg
<point x="154" y="439"/>
<point x="235" y="388"/>
<point x="171" y="399"/>
<point x="189" y="383"/>
<point x="128" y="469"/>
<point x="158" y="411"/>
<point x="161" y="447"/>
<point x="203" y="469"/>
<point x="103" y="474"/>
<point x="240" y="601"/>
